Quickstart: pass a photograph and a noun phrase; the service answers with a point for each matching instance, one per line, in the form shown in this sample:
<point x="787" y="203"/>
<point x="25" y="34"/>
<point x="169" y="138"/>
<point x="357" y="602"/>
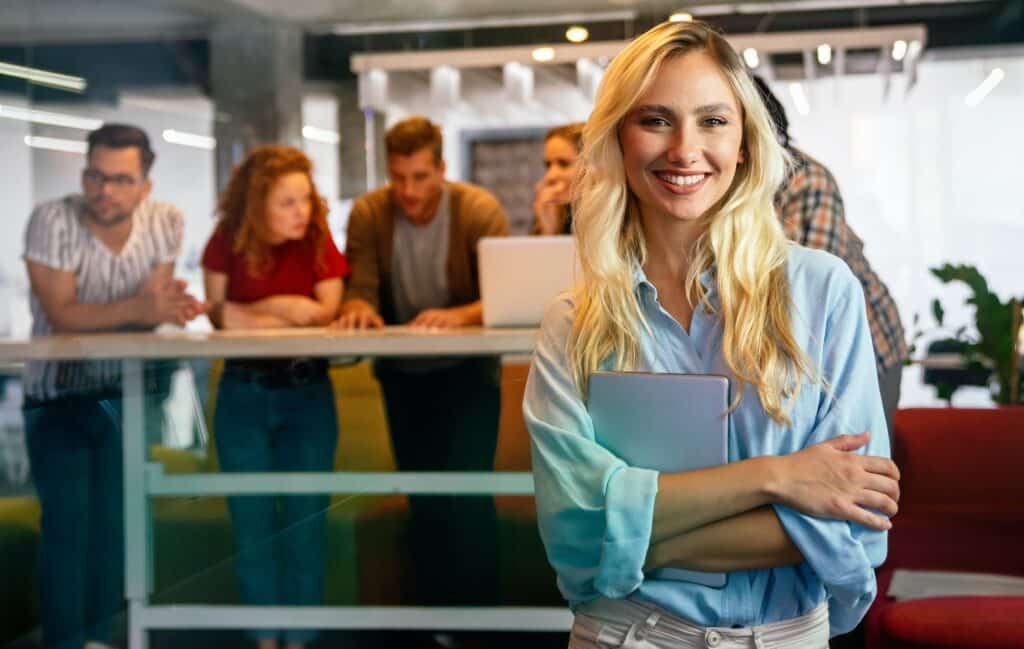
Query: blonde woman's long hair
<point x="741" y="237"/>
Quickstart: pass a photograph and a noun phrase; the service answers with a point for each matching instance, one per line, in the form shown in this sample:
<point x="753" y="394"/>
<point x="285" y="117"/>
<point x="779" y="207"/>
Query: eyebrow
<point x="661" y="109"/>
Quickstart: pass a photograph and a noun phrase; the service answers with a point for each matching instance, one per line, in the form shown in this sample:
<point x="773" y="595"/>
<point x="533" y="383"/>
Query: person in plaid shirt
<point x="811" y="209"/>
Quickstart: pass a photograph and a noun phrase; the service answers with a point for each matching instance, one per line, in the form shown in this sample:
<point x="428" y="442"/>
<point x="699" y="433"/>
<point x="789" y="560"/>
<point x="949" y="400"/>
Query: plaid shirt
<point x="812" y="214"/>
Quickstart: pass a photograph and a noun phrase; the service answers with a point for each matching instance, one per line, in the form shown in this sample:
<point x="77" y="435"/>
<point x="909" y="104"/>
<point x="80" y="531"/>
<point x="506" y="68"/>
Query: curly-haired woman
<point x="271" y="263"/>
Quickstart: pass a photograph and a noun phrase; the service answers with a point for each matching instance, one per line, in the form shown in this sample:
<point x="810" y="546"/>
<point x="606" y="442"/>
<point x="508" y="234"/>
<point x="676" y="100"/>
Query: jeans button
<point x="713" y="638"/>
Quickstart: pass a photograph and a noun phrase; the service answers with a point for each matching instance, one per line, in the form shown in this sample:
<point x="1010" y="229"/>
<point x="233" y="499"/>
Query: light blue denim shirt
<point x="595" y="512"/>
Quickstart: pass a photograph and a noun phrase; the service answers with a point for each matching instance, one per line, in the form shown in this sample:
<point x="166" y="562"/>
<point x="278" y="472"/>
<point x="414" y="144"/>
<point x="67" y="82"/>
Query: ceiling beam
<point x="568" y="53"/>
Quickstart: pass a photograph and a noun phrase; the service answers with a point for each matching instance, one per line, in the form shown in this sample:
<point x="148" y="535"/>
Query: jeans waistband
<point x="275" y="373"/>
<point x="616" y="622"/>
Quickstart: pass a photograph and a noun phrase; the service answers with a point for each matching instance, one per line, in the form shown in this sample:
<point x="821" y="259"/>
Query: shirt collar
<point x="644" y="285"/>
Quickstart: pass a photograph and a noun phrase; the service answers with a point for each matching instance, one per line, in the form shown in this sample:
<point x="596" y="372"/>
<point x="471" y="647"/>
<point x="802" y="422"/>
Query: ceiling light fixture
<point x="796" y="92"/>
<point x="976" y="96"/>
<point x="543" y="54"/>
<point x="320" y="135"/>
<point x="56" y="144"/>
<point x="577" y="34"/>
<point x="189" y="139"/>
<point x="824" y="54"/>
<point x="899" y="50"/>
<point x="751" y="58"/>
<point x="44" y="77"/>
<point x="52" y="119"/>
<point x="681" y="17"/>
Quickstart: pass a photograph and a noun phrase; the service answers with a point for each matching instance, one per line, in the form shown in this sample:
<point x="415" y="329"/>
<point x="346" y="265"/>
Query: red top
<point x="293" y="271"/>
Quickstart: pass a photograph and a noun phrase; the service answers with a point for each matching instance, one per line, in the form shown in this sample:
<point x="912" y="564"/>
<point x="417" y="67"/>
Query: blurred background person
<point x="102" y="260"/>
<point x="812" y="213"/>
<point x="413" y="247"/>
<point x="271" y="262"/>
<point x="552" y="210"/>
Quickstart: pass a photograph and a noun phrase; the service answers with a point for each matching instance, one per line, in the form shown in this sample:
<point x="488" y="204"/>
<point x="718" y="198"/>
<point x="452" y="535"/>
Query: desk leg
<point x="136" y="570"/>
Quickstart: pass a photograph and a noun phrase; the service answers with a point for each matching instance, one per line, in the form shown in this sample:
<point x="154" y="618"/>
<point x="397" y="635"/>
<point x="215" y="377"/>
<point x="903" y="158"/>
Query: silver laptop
<point x="666" y="422"/>
<point x="519" y="276"/>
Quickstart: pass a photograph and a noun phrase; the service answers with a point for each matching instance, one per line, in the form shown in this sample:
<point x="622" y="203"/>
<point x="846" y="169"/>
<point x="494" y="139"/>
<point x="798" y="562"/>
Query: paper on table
<point x="917" y="584"/>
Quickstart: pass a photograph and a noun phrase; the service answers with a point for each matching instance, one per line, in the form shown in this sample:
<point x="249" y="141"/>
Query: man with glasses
<point x="102" y="260"/>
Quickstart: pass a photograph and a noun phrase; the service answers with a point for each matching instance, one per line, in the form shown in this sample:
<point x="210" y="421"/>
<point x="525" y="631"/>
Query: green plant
<point x="997" y="324"/>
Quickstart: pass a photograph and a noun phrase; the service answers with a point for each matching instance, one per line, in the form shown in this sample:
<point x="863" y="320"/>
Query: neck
<point x="113" y="234"/>
<point x="669" y="246"/>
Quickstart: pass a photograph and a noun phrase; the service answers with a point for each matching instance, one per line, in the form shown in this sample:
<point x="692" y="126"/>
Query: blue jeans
<point x="74" y="447"/>
<point x="280" y="539"/>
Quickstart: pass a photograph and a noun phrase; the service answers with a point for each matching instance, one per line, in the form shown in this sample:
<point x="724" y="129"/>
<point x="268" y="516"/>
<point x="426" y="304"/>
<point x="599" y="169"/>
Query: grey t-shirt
<point x="419" y="273"/>
<point x="419" y="277"/>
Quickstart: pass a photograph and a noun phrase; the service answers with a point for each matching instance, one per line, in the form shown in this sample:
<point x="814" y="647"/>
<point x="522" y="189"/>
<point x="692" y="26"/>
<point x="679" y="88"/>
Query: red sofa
<point x="961" y="509"/>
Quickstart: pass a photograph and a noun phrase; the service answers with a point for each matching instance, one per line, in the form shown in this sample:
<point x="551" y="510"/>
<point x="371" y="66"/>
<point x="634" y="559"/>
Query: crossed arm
<point x="272" y="312"/>
<point x="721" y="519"/>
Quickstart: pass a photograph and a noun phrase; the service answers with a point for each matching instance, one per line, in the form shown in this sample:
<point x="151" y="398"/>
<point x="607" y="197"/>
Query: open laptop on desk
<point x="666" y="422"/>
<point x="519" y="276"/>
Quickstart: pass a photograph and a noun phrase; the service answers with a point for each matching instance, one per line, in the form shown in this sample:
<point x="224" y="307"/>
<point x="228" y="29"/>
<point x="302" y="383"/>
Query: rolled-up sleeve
<point x="842" y="554"/>
<point x="594" y="512"/>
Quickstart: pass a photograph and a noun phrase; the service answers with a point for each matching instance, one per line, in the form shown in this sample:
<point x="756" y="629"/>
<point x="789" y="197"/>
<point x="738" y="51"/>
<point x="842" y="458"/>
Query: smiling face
<point x="289" y="208"/>
<point x="682" y="140"/>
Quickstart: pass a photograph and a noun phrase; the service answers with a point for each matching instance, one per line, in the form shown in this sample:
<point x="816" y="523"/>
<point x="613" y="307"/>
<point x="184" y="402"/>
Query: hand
<point x="165" y="299"/>
<point x="829" y="480"/>
<point x="550" y="199"/>
<point x="438" y="319"/>
<point x="357" y="314"/>
<point x="304" y="312"/>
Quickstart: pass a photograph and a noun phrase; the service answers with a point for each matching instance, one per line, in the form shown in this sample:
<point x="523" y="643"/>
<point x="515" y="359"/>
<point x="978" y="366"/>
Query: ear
<point x="743" y="156"/>
<point x="441" y="167"/>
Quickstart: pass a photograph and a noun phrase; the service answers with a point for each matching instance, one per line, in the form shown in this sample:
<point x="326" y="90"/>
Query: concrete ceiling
<point x="47" y="21"/>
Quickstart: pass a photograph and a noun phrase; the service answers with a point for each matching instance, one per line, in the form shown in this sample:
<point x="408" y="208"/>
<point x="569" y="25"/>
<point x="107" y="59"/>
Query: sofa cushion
<point x="956" y="623"/>
<point x="960" y="459"/>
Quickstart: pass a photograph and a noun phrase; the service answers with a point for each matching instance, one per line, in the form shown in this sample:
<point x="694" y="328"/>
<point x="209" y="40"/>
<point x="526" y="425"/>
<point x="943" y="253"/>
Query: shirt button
<point x="713" y="638"/>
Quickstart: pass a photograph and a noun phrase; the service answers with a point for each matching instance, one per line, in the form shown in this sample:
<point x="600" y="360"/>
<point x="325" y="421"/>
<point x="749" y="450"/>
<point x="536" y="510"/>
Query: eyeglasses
<point x="98" y="178"/>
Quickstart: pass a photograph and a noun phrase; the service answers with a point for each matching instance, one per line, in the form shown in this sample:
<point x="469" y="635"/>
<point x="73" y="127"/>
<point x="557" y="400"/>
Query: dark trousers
<point x="448" y="420"/>
<point x="889" y="385"/>
<point x="280" y="539"/>
<point x="74" y="446"/>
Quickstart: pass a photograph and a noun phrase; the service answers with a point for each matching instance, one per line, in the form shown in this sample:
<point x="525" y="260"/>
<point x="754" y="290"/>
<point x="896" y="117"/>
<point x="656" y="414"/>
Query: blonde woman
<point x="686" y="269"/>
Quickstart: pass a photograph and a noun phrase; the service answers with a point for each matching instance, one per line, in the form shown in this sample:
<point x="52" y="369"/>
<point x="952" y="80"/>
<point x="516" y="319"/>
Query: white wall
<point x="926" y="180"/>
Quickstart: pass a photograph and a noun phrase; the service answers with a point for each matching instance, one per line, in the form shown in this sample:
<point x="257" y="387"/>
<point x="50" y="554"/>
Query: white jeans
<point x="631" y="624"/>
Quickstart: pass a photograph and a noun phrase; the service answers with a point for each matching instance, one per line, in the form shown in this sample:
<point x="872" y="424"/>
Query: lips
<point x="682" y="183"/>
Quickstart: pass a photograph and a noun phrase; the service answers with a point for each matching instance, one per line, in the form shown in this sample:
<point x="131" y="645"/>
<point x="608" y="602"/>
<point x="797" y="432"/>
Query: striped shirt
<point x="812" y="214"/>
<point x="57" y="237"/>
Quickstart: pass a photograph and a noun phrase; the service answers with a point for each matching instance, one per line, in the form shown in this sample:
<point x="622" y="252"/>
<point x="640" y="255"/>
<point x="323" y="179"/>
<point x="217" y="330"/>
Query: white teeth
<point x="682" y="181"/>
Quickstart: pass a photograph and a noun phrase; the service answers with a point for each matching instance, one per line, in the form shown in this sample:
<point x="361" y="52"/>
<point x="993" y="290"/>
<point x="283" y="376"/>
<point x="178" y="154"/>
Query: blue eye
<point x="715" y="121"/>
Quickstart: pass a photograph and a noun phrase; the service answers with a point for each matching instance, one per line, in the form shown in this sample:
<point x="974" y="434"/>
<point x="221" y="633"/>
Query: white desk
<point x="145" y="479"/>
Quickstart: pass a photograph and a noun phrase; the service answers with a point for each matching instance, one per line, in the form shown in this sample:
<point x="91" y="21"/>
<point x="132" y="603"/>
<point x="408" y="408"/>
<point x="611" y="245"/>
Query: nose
<point x="684" y="145"/>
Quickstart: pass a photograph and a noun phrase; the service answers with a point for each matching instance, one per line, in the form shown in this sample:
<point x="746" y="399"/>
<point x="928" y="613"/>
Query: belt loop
<point x="758" y="638"/>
